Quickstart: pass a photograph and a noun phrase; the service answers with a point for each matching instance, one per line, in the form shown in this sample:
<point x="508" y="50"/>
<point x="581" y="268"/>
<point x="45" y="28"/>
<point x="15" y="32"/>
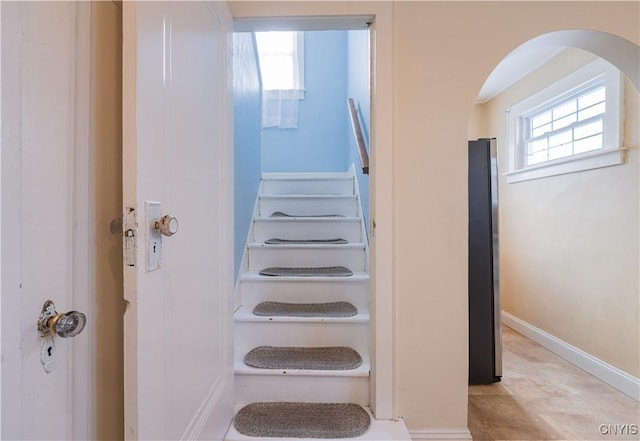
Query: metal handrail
<point x="357" y="132"/>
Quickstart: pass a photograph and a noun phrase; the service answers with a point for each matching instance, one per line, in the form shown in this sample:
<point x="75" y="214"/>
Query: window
<point x="281" y="56"/>
<point x="572" y="125"/>
<point x="281" y="60"/>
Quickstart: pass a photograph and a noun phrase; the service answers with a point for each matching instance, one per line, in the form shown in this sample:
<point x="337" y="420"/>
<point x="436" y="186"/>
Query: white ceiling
<point x="514" y="67"/>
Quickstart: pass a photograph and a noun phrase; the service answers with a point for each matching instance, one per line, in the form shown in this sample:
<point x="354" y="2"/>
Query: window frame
<point x="293" y="93"/>
<point x="565" y="89"/>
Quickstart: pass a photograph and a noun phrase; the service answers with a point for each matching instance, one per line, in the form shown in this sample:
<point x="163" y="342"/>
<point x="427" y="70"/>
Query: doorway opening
<point x="558" y="252"/>
<point x="314" y="133"/>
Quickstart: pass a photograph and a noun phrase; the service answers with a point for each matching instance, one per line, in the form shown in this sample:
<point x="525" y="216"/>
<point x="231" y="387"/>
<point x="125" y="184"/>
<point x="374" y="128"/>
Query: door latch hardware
<point x="129" y="225"/>
<point x="52" y="322"/>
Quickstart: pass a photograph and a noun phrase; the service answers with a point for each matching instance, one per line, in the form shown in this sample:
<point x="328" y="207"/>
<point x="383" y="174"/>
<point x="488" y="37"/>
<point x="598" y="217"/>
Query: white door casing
<point x="45" y="216"/>
<point x="177" y="132"/>
<point x="314" y="16"/>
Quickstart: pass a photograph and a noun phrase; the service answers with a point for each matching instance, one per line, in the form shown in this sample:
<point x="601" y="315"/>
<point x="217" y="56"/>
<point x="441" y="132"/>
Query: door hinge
<point x="373" y="227"/>
<point x="129" y="228"/>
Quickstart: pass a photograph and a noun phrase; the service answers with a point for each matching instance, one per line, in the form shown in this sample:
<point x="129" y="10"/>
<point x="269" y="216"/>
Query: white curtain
<point x="280" y="109"/>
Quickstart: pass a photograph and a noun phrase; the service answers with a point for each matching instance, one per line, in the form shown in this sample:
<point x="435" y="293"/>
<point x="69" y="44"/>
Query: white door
<point x="45" y="218"/>
<point x="178" y="153"/>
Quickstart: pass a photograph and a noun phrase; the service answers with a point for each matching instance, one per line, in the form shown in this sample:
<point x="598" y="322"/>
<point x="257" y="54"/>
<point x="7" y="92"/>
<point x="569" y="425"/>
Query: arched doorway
<point x="556" y="231"/>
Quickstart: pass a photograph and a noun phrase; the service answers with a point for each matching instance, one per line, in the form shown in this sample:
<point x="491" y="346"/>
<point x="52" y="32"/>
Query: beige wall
<point x="443" y="52"/>
<point x="569" y="243"/>
<point x="106" y="133"/>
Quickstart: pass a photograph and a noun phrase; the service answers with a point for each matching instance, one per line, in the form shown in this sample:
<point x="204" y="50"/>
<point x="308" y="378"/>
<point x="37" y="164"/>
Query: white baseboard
<point x="611" y="375"/>
<point x="442" y="434"/>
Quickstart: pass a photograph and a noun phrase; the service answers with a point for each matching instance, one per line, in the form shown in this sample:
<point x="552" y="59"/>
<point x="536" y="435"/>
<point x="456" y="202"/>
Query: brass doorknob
<point x="52" y="322"/>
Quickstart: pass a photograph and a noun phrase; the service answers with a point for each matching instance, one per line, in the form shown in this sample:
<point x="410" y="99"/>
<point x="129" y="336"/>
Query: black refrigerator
<point x="485" y="334"/>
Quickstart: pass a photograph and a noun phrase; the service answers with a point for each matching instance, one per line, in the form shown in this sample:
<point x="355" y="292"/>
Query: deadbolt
<point x="52" y="322"/>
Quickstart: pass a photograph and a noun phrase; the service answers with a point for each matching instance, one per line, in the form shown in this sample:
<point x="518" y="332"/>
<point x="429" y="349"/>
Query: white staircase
<point x="319" y="207"/>
<point x="309" y="199"/>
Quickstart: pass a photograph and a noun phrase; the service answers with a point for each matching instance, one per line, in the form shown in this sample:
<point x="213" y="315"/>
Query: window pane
<point x="277" y="72"/>
<point x="541" y="130"/>
<point x="276" y="43"/>
<point x="537" y="158"/>
<point x="565" y="109"/>
<point x="561" y="151"/>
<point x="540" y="120"/>
<point x="278" y="60"/>
<point x="537" y="146"/>
<point x="588" y="144"/>
<point x="591" y="98"/>
<point x="560" y="138"/>
<point x="564" y="122"/>
<point x="587" y="130"/>
<point x="591" y="111"/>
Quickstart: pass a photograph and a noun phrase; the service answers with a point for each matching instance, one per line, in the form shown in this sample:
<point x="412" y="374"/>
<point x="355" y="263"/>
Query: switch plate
<point x="154" y="238"/>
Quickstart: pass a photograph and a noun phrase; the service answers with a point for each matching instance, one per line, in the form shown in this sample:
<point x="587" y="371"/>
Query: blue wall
<point x="358" y="89"/>
<point x="320" y="142"/>
<point x="247" y="105"/>
<point x="336" y="67"/>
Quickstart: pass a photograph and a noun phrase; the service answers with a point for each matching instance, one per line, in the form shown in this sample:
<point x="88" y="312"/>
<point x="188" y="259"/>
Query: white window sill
<point x="585" y="161"/>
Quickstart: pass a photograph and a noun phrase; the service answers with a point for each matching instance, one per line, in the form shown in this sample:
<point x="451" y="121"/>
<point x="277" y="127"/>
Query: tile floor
<point x="543" y="397"/>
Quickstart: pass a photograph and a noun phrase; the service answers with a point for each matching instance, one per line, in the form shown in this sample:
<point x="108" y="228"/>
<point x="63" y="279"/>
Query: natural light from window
<point x="570" y="127"/>
<point x="278" y="60"/>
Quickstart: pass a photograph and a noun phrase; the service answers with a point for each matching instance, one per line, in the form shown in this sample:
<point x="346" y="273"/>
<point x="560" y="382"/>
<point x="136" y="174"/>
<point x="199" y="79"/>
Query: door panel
<point x="177" y="151"/>
<point x="45" y="212"/>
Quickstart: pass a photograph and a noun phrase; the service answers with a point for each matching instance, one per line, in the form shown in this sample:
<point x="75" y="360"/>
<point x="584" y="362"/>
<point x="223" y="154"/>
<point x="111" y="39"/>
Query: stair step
<point x="276" y="241"/>
<point x="302" y="420"/>
<point x="309" y="205"/>
<point x="325" y="271"/>
<point x="332" y="358"/>
<point x="314" y="215"/>
<point x="242" y="370"/>
<point x="261" y="255"/>
<point x="308" y="185"/>
<point x="312" y="310"/>
<point x="252" y="384"/>
<point x="252" y="331"/>
<point x="250" y="276"/>
<point x="245" y="314"/>
<point x="300" y="228"/>
<point x="380" y="430"/>
<point x="254" y="289"/>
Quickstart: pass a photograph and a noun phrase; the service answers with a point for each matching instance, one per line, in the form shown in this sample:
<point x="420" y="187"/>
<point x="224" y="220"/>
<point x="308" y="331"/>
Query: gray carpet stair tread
<point x="326" y="271"/>
<point x="281" y="309"/>
<point x="281" y="214"/>
<point x="276" y="241"/>
<point x="332" y="358"/>
<point x="302" y="420"/>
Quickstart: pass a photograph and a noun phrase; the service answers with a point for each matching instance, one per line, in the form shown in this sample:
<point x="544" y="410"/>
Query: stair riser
<point x="309" y="207"/>
<point x="310" y="229"/>
<point x="256" y="388"/>
<point x="352" y="258"/>
<point x="308" y="186"/>
<point x="357" y="293"/>
<point x="249" y="335"/>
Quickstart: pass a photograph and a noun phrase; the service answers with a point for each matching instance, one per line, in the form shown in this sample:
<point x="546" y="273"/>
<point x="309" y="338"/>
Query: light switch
<point x="154" y="237"/>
